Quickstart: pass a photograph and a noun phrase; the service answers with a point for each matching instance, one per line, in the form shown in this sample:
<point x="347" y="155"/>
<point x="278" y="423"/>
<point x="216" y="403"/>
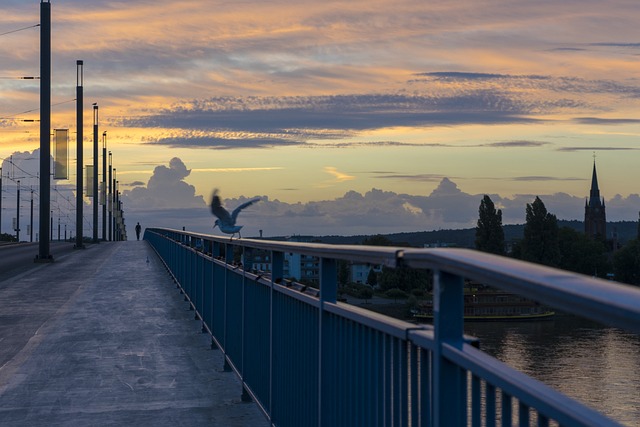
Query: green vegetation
<point x="626" y="263"/>
<point x="489" y="232"/>
<point x="540" y="243"/>
<point x="4" y="237"/>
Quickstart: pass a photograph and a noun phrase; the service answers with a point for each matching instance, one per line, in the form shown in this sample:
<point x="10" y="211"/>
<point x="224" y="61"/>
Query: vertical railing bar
<point x="506" y="409"/>
<point x="476" y="401"/>
<point x="491" y="405"/>
<point x="523" y="415"/>
<point x="415" y="403"/>
<point x="543" y="421"/>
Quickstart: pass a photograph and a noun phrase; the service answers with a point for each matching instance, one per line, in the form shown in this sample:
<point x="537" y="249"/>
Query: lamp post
<point x="45" y="129"/>
<point x="103" y="193"/>
<point x="18" y="212"/>
<point x="0" y="201"/>
<point x="114" y="204"/>
<point x="110" y="198"/>
<point x="31" y="228"/>
<point x="79" y="156"/>
<point x="95" y="173"/>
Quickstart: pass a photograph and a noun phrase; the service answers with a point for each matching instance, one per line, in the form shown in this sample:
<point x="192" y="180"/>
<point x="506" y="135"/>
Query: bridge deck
<point x="103" y="337"/>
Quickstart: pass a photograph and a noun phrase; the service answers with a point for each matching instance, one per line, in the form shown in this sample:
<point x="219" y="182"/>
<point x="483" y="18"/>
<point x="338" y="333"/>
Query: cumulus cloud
<point x="375" y="211"/>
<point x="166" y="189"/>
<point x="24" y="167"/>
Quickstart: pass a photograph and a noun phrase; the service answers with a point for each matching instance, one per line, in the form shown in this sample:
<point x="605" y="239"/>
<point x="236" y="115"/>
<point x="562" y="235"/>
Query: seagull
<point x="227" y="221"/>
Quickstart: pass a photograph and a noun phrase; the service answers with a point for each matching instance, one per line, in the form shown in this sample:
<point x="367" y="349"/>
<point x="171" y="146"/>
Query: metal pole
<point x="58" y="227"/>
<point x="113" y="205"/>
<point x="0" y="201"/>
<point x="110" y="198"/>
<point x="45" y="129"/>
<point x="18" y="213"/>
<point x="79" y="154"/>
<point x="31" y="228"/>
<point x="51" y="228"/>
<point x="95" y="173"/>
<point x="103" y="193"/>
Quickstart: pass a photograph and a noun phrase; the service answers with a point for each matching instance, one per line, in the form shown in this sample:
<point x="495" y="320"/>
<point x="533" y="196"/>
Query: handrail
<point x="357" y="367"/>
<point x="607" y="302"/>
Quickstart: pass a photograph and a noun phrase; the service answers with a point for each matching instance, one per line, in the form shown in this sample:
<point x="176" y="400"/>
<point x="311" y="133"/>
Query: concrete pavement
<point x="101" y="337"/>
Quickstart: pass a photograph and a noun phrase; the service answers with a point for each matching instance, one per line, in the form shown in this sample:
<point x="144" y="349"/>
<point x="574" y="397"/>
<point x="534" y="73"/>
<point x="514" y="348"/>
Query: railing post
<point x="277" y="272"/>
<point x="328" y="293"/>
<point x="449" y="405"/>
<point x="228" y="259"/>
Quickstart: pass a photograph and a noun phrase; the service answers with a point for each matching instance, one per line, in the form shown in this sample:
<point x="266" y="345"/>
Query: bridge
<point x="181" y="330"/>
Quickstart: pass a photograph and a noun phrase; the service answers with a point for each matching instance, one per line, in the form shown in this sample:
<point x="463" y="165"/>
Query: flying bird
<point x="226" y="221"/>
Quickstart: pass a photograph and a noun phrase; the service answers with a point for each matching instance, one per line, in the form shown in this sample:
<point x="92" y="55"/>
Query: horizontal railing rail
<point x="307" y="359"/>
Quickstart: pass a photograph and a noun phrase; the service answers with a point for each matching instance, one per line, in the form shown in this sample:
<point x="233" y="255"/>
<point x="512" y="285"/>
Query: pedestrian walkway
<point x="103" y="337"/>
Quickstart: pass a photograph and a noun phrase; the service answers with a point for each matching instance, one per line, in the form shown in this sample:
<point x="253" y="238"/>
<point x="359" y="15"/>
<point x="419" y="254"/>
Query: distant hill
<point x="465" y="238"/>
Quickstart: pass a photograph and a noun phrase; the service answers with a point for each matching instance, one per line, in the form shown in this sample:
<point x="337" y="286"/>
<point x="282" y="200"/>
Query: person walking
<point x="138" y="230"/>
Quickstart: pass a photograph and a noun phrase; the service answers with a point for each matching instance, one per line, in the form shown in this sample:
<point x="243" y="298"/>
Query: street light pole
<point x="95" y="173"/>
<point x="45" y="129"/>
<point x="18" y="213"/>
<point x="103" y="193"/>
<point x="110" y="197"/>
<point x="0" y="201"/>
<point x="79" y="155"/>
<point x="31" y="228"/>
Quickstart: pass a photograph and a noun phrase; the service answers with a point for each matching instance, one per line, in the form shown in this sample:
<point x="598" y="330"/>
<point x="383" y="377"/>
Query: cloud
<point x="339" y="176"/>
<point x="166" y="189"/>
<point x="430" y="99"/>
<point x="375" y="211"/>
<point x="312" y="116"/>
<point x="24" y="166"/>
<point x="545" y="178"/>
<point x="602" y="121"/>
<point x="423" y="177"/>
<point x="629" y="45"/>
<point x="515" y="144"/>
<point x="456" y="75"/>
<point x="266" y="168"/>
<point x="597" y="148"/>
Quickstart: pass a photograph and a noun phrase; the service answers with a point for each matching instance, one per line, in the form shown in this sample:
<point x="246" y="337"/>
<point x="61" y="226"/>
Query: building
<point x="595" y="218"/>
<point x="360" y="272"/>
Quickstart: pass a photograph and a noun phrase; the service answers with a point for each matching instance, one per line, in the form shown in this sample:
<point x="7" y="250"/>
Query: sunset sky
<point x="346" y="117"/>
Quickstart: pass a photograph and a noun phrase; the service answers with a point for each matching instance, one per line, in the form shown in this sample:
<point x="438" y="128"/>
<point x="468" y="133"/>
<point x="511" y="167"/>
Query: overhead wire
<point x="12" y="116"/>
<point x="19" y="29"/>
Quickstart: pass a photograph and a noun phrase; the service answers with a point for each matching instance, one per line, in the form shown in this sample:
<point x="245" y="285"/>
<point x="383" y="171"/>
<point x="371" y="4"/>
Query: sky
<point x="359" y="117"/>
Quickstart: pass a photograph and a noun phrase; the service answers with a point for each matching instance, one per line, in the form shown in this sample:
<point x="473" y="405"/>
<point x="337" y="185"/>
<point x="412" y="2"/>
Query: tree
<point x="377" y="240"/>
<point x="626" y="263"/>
<point x="404" y="278"/>
<point x="343" y="272"/>
<point x="5" y="237"/>
<point x="396" y="294"/>
<point x="540" y="243"/>
<point x="489" y="232"/>
<point x="372" y="278"/>
<point x="581" y="254"/>
<point x="365" y="293"/>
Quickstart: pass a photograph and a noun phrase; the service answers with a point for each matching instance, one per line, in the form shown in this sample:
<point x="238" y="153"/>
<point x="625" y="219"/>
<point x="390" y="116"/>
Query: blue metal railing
<point x="307" y="359"/>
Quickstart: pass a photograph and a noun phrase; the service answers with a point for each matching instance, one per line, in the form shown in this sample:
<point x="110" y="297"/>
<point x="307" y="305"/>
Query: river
<point x="597" y="365"/>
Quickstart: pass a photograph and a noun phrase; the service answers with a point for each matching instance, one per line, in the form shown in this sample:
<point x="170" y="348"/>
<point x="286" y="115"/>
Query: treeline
<point x="545" y="242"/>
<point x="465" y="238"/>
<point x="543" y="239"/>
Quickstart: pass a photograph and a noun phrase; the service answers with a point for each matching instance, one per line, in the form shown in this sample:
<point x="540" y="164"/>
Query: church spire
<point x="594" y="196"/>
<point x="595" y="219"/>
